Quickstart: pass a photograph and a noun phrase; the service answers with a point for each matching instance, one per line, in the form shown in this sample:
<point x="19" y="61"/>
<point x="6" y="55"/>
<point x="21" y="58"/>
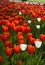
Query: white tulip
<point x="38" y="26"/>
<point x="39" y="19"/>
<point x="38" y="44"/>
<point x="27" y="2"/>
<point x="10" y="0"/>
<point x="20" y="13"/>
<point x="29" y="21"/>
<point x="31" y="3"/>
<point x="41" y="3"/>
<point x="23" y="47"/>
<point x="34" y="2"/>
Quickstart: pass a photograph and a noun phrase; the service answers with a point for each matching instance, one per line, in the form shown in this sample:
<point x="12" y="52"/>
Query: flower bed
<point x="22" y="34"/>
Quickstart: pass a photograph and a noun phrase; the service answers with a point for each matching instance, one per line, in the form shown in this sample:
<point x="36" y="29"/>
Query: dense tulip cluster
<point x="16" y="31"/>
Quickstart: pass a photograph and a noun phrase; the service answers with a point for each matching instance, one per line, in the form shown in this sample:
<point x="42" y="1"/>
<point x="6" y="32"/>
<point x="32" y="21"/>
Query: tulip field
<point x="22" y="33"/>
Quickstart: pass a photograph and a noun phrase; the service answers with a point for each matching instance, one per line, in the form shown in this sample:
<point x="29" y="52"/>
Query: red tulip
<point x="4" y="28"/>
<point x="29" y="35"/>
<point x="42" y="37"/>
<point x="30" y="49"/>
<point x="8" y="51"/>
<point x="16" y="48"/>
<point x="1" y="59"/>
<point x="32" y="40"/>
<point x="21" y="42"/>
<point x="28" y="29"/>
<point x="7" y="44"/>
